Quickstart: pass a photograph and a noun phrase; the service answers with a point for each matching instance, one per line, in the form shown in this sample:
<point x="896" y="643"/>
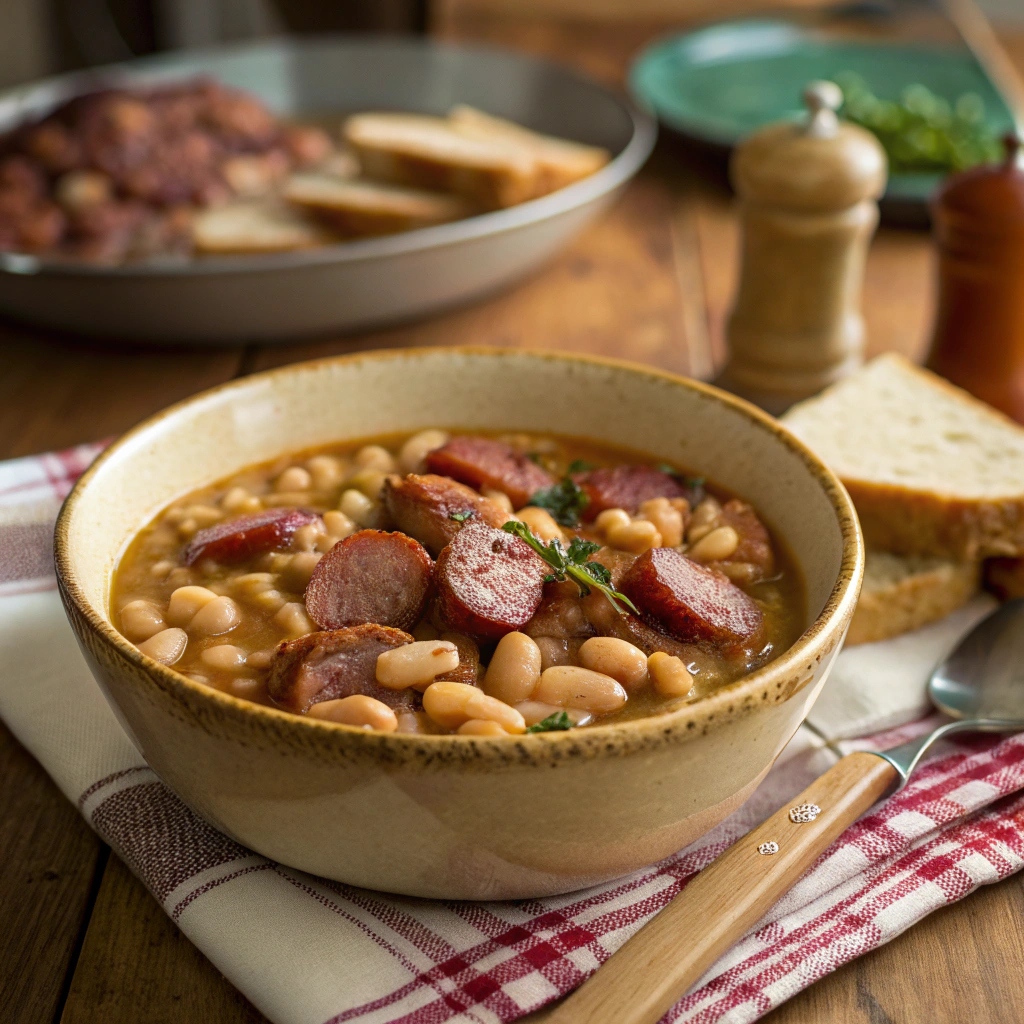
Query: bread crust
<point x="906" y="604"/>
<point x="910" y="522"/>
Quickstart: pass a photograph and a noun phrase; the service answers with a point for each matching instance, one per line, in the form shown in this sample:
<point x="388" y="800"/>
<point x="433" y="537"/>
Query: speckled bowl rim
<point x="698" y="717"/>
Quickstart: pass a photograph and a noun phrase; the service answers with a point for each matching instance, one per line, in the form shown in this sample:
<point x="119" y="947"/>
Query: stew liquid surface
<point x="485" y="585"/>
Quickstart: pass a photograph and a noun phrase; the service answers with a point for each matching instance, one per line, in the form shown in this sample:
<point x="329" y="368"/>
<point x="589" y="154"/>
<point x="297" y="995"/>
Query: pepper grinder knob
<point x="807" y="192"/>
<point x="823" y="99"/>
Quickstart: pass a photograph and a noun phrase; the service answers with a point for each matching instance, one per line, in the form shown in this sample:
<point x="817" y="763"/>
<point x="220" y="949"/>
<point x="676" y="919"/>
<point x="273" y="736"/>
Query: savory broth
<point x="218" y="581"/>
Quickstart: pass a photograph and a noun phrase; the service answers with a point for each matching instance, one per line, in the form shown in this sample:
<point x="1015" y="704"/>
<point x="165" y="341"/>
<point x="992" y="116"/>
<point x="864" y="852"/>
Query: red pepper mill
<point x="807" y="194"/>
<point x="978" y="341"/>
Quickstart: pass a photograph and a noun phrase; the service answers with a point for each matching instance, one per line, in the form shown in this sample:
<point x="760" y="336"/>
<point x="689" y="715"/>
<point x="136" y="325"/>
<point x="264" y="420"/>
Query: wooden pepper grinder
<point x="807" y="200"/>
<point x="978" y="341"/>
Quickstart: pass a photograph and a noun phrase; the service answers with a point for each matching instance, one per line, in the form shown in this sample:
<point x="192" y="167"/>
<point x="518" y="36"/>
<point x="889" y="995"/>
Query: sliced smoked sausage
<point x="238" y="540"/>
<point x="625" y="487"/>
<point x="423" y="506"/>
<point x="334" y="664"/>
<point x="690" y="601"/>
<point x="371" y="576"/>
<point x="483" y="462"/>
<point x="489" y="583"/>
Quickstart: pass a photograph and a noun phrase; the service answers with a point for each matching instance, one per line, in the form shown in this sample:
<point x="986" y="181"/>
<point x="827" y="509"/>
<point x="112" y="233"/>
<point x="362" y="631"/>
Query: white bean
<point x="705" y="518"/>
<point x="295" y="478"/>
<point x="610" y="518"/>
<point x="305" y="537"/>
<point x="260" y="659"/>
<point x="667" y="519"/>
<point x="541" y="523"/>
<point x="639" y="536"/>
<point x="569" y="686"/>
<point x="715" y="545"/>
<point x="224" y="658"/>
<point x="186" y="602"/>
<point x="670" y="676"/>
<point x="481" y="727"/>
<point x="514" y="670"/>
<point x="452" y="704"/>
<point x="616" y="658"/>
<point x="339" y="525"/>
<point x="141" y="619"/>
<point x="418" y="447"/>
<point x="238" y="501"/>
<point x="167" y="646"/>
<point x="417" y="664"/>
<point x="369" y="481"/>
<point x="499" y="498"/>
<point x="552" y="652"/>
<point x="358" y="507"/>
<point x="292" y="618"/>
<point x="373" y="456"/>
<point x="220" y="615"/>
<point x="325" y="471"/>
<point x="300" y="568"/>
<point x="358" y="710"/>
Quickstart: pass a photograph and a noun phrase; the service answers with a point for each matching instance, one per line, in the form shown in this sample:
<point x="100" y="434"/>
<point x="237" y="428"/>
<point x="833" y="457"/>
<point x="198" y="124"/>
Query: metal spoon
<point x="981" y="684"/>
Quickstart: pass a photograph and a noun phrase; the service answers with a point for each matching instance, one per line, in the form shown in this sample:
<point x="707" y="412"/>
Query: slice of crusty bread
<point x="370" y="208"/>
<point x="561" y="161"/>
<point x="431" y="153"/>
<point x="256" y="227"/>
<point x="902" y="593"/>
<point x="931" y="469"/>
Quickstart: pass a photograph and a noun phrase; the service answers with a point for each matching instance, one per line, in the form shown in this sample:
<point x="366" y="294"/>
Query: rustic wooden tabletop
<point x="80" y="939"/>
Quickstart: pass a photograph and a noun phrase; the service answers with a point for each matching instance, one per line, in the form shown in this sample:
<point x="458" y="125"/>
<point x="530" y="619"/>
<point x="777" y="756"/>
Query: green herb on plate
<point x="922" y="132"/>
<point x="564" y="500"/>
<point x="461" y="517"/>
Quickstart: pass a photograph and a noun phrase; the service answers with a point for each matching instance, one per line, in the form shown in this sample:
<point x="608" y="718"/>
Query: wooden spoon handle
<point x="659" y="964"/>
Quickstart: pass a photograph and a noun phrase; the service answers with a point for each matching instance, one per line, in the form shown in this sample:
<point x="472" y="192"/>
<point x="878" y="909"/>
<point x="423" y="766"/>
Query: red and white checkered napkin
<point x="309" y="951"/>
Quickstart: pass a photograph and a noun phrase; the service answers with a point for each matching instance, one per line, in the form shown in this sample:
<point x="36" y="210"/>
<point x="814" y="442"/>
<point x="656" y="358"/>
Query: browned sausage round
<point x="625" y="487"/>
<point x="423" y="506"/>
<point x="238" y="540"/>
<point x="335" y="664"/>
<point x="371" y="576"/>
<point x="488" y="582"/>
<point x="689" y="600"/>
<point x="483" y="462"/>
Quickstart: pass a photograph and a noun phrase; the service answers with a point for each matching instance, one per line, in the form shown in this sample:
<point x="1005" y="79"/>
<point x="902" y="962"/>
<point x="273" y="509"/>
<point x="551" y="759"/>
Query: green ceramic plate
<point x="718" y="84"/>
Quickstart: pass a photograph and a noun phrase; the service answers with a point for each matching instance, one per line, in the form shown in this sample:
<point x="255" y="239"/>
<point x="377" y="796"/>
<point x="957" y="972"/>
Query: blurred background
<point x="39" y="37"/>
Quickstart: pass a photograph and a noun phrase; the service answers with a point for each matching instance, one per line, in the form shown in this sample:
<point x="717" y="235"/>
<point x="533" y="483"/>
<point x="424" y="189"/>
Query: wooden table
<point x="81" y="940"/>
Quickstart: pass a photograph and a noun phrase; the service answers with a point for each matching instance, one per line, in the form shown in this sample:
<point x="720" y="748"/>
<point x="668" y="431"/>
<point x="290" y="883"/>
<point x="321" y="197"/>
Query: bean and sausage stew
<point x="460" y="584"/>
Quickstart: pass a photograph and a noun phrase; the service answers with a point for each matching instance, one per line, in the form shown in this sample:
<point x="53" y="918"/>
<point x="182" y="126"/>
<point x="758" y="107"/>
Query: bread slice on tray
<point x="263" y="226"/>
<point x="431" y="153"/>
<point x="358" y="207"/>
<point x="561" y="161"/>
<point x="902" y="593"/>
<point x="930" y="469"/>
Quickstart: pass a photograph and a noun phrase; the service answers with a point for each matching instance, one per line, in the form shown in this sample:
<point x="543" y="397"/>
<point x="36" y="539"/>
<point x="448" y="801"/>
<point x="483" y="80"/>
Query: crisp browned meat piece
<point x="606" y="621"/>
<point x="423" y="506"/>
<point x="689" y="600"/>
<point x="335" y="664"/>
<point x="482" y="462"/>
<point x="468" y="671"/>
<point x="371" y="576"/>
<point x="488" y="582"/>
<point x="238" y="540"/>
<point x="625" y="487"/>
<point x="560" y="614"/>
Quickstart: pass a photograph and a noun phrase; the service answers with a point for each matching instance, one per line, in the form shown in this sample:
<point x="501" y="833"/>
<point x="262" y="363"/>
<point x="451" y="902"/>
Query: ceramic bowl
<point x="460" y="817"/>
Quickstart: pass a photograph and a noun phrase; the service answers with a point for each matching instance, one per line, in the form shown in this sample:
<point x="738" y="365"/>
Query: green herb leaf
<point x="573" y="565"/>
<point x="579" y="466"/>
<point x="556" y="722"/>
<point x="565" y="501"/>
<point x="461" y="517"/>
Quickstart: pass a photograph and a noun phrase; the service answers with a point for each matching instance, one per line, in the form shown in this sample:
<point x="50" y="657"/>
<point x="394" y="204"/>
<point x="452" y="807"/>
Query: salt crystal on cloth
<point x="307" y="950"/>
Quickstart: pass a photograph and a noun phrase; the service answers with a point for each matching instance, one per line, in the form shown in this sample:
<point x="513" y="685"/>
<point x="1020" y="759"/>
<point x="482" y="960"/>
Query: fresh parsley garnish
<point x="553" y="723"/>
<point x="564" y="500"/>
<point x="536" y="458"/>
<point x="573" y="565"/>
<point x="694" y="483"/>
<point x="579" y="466"/>
<point x="461" y="517"/>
